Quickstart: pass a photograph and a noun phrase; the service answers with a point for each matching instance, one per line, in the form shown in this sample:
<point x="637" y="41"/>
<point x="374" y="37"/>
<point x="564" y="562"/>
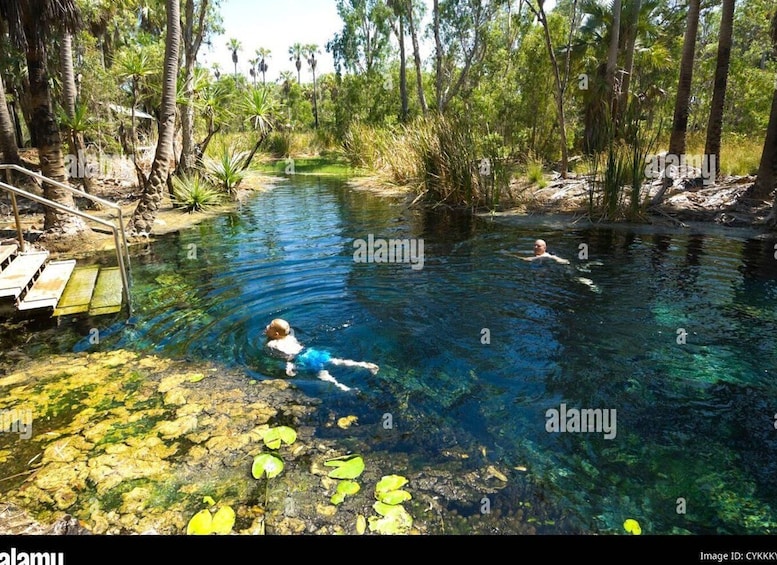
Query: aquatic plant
<point x="347" y="467"/>
<point x="344" y="488"/>
<point x="274" y="437"/>
<point x="632" y="527"/>
<point x="392" y="517"/>
<point x="205" y="522"/>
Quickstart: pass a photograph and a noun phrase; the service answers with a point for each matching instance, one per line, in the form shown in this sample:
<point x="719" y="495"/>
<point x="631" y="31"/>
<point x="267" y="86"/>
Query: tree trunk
<point x="142" y="221"/>
<point x="7" y="135"/>
<point x="767" y="170"/>
<point x="559" y="93"/>
<point x="192" y="39"/>
<point x="612" y="53"/>
<point x="417" y="61"/>
<point x="438" y="55"/>
<point x="402" y="70"/>
<point x="49" y="143"/>
<point x="76" y="143"/>
<point x="631" y="42"/>
<point x="715" y="125"/>
<point x="681" y="109"/>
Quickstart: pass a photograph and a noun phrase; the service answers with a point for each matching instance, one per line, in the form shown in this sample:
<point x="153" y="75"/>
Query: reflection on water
<point x="675" y="332"/>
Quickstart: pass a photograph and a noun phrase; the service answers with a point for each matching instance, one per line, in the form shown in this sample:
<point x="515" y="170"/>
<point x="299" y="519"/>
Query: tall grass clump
<point x="617" y="173"/>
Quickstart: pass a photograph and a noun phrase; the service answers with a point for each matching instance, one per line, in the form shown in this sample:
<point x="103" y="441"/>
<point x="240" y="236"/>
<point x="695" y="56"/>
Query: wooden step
<point x="6" y="251"/>
<point x="21" y="273"/>
<point x="48" y="289"/>
<point x="78" y="292"/>
<point x="107" y="298"/>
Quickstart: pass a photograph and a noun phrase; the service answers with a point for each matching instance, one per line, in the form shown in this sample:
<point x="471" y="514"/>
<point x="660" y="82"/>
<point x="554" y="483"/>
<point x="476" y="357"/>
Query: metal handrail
<point x="62" y="208"/>
<point x="83" y="194"/>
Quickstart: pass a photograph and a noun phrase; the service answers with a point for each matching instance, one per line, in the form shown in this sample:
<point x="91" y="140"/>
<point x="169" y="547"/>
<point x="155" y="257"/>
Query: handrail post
<point x="19" y="230"/>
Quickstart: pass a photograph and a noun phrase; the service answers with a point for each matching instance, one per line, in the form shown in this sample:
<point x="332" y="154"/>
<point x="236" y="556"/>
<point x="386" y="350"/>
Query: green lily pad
<point x="390" y="482"/>
<point x="200" y="524"/>
<point x="348" y="467"/>
<point x="281" y="434"/>
<point x="632" y="527"/>
<point x="395" y="519"/>
<point x="361" y="524"/>
<point x="266" y="463"/>
<point x="344" y="488"/>
<point x="223" y="520"/>
<point x="393" y="497"/>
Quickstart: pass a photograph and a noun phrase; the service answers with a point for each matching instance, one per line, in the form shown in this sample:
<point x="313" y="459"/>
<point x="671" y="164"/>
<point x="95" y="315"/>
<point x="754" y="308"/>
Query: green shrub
<point x="226" y="169"/>
<point x="194" y="194"/>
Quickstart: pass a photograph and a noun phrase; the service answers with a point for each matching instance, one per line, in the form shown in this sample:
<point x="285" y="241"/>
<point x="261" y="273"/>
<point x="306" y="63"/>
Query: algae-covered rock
<point x="176" y="428"/>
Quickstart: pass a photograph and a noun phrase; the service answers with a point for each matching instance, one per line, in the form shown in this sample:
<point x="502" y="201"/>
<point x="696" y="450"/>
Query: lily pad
<point x="361" y="524"/>
<point x="266" y="463"/>
<point x="348" y="467"/>
<point x="281" y="434"/>
<point x="394" y="519"/>
<point x="344" y="488"/>
<point x="200" y="524"/>
<point x="390" y="482"/>
<point x="209" y="501"/>
<point x="223" y="520"/>
<point x="393" y="497"/>
<point x="632" y="527"/>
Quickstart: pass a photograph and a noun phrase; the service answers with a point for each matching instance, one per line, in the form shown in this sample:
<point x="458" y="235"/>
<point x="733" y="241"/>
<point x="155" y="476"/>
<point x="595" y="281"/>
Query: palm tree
<point x="263" y="53"/>
<point x="133" y="64"/>
<point x="252" y="70"/>
<point x="259" y="110"/>
<point x="715" y="124"/>
<point x="30" y="24"/>
<point x="311" y="50"/>
<point x="7" y="138"/>
<point x="142" y="221"/>
<point x="400" y="9"/>
<point x="75" y="121"/>
<point x="296" y="52"/>
<point x="234" y="45"/>
<point x="682" y="102"/>
<point x="767" y="169"/>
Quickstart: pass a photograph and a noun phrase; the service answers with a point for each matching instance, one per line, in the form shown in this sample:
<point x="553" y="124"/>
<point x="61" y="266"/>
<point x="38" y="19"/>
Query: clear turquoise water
<point x="696" y="443"/>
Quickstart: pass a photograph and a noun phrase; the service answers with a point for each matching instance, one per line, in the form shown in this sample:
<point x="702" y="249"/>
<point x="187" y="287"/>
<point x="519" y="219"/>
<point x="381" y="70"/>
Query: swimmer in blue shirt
<point x="282" y="343"/>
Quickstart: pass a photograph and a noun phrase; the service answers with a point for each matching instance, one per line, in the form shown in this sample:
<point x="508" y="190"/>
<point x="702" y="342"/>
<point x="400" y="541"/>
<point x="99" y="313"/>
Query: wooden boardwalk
<point x="30" y="284"/>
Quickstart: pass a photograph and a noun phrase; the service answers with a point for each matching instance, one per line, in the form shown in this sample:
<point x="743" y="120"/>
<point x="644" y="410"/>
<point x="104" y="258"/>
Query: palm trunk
<point x="142" y="221"/>
<point x="631" y="43"/>
<point x="715" y="126"/>
<point x="69" y="94"/>
<point x="44" y="124"/>
<point x="417" y="61"/>
<point x="612" y="53"/>
<point x="767" y="170"/>
<point x="402" y="70"/>
<point x="315" y="98"/>
<point x="186" y="163"/>
<point x="681" y="110"/>
<point x="7" y="135"/>
<point x="438" y="55"/>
